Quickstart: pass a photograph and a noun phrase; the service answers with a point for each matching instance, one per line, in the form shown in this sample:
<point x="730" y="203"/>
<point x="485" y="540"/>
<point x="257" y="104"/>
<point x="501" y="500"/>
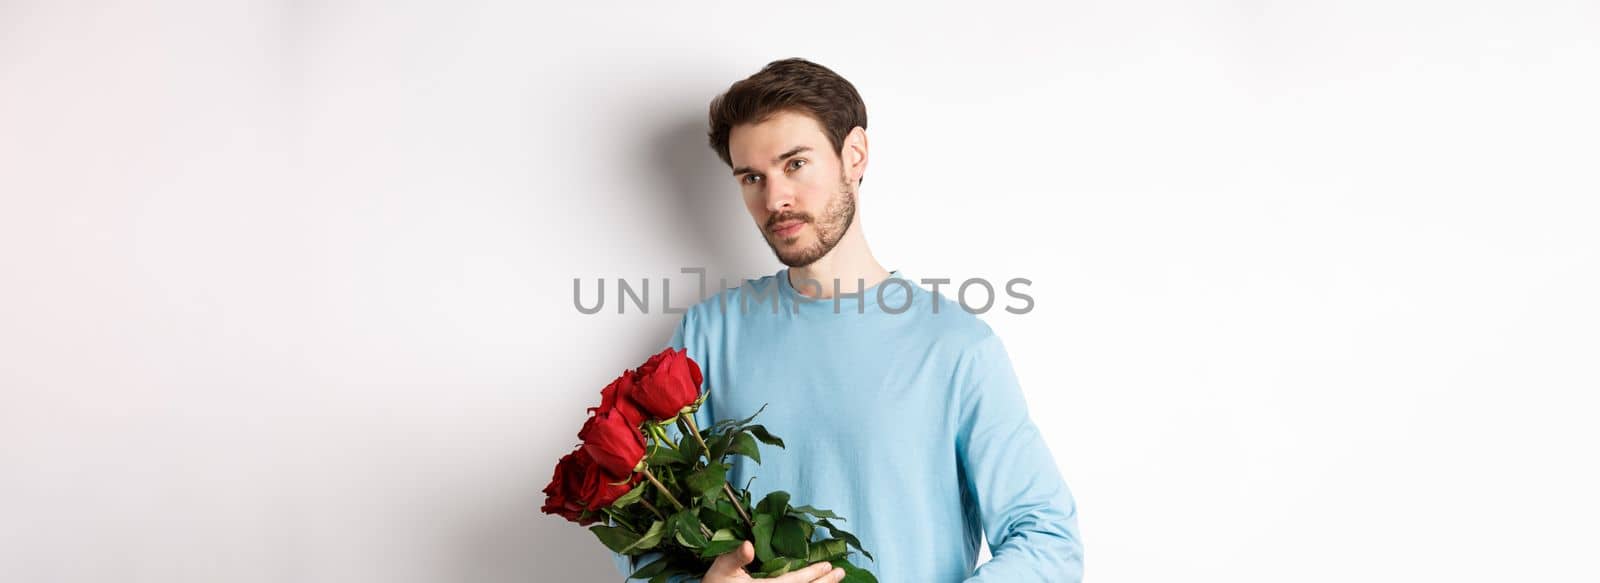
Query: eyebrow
<point x="780" y="158"/>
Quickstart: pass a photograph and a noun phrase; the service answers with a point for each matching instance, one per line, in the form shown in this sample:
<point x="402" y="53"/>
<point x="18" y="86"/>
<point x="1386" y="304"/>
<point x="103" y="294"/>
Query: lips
<point x="787" y="228"/>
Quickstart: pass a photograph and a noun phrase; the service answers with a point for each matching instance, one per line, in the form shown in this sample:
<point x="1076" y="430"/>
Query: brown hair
<point x="792" y="84"/>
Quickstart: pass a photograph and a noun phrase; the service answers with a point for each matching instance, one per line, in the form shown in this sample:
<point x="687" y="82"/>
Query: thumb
<point x="731" y="562"/>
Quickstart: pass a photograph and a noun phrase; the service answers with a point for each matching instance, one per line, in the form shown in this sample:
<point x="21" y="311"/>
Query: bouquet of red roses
<point x="672" y="496"/>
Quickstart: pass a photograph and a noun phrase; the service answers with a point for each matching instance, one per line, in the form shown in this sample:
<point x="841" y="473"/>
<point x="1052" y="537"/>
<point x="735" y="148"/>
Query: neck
<point x="848" y="262"/>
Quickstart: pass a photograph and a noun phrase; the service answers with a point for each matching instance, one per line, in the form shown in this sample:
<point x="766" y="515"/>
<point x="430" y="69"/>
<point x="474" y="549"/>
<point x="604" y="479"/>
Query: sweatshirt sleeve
<point x="626" y="565"/>
<point x="1010" y="478"/>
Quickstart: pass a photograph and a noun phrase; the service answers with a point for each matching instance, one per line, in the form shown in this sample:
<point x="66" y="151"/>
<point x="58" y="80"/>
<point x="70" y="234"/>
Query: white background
<point x="285" y="287"/>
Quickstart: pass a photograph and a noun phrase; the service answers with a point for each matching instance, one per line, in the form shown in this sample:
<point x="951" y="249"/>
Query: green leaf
<point x="707" y="479"/>
<point x="828" y="550"/>
<point x="745" y="445"/>
<point x="840" y="533"/>
<point x="690" y="449"/>
<point x="778" y="566"/>
<point x="771" y="568"/>
<point x="761" y="433"/>
<point x="625" y="541"/>
<point x="817" y="512"/>
<point x="654" y="568"/>
<point x="719" y="547"/>
<point x="720" y="515"/>
<point x="741" y="423"/>
<point x="632" y="495"/>
<point x="650" y="539"/>
<point x="852" y="573"/>
<point x="688" y="529"/>
<point x="722" y="541"/>
<point x="789" y="538"/>
<point x="775" y="504"/>
<point x="615" y="538"/>
<point x="661" y="456"/>
<point x="719" y="446"/>
<point x="763" y="536"/>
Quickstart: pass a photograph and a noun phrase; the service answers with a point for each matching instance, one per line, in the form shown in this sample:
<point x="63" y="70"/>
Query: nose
<point x="780" y="194"/>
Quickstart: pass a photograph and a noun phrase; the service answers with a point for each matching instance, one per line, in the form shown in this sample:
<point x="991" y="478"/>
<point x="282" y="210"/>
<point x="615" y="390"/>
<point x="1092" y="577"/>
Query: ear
<point x="854" y="153"/>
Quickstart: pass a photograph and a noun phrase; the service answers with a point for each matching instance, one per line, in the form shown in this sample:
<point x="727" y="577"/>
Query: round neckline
<point x="869" y="295"/>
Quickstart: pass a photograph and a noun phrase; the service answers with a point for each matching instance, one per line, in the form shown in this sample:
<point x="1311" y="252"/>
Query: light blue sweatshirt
<point x="907" y="422"/>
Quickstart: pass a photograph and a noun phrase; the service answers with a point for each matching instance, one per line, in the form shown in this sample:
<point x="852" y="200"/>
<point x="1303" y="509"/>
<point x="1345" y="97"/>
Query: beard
<point x="837" y="217"/>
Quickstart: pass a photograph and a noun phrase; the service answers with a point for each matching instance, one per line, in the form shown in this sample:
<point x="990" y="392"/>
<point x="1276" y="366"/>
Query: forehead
<point x="756" y="144"/>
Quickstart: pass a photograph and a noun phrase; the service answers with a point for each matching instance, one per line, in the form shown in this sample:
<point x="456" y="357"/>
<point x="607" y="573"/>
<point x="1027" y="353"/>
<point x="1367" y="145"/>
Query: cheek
<point x="815" y="197"/>
<point x="756" y="207"/>
<point x="808" y="190"/>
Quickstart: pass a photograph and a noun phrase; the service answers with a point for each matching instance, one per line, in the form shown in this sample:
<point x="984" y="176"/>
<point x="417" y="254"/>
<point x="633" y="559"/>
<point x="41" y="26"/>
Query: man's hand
<point x="729" y="568"/>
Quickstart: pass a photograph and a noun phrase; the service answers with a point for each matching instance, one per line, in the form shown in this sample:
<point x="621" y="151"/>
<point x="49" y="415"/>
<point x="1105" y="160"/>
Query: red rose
<point x="668" y="382"/>
<point x="614" y="443"/>
<point x="619" y="396"/>
<point x="564" y="493"/>
<point x="579" y="484"/>
<point x="600" y="489"/>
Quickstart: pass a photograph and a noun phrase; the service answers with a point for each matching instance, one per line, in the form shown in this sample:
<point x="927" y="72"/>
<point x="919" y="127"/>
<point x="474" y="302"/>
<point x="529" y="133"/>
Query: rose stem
<point x="726" y="489"/>
<point x="737" y="504"/>
<point x="652" y="508"/>
<point x="662" y="488"/>
<point x="674" y="501"/>
<point x="686" y="423"/>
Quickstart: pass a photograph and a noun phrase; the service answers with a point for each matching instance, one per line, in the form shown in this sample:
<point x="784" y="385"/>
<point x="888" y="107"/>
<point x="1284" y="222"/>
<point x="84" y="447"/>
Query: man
<point x="900" y="410"/>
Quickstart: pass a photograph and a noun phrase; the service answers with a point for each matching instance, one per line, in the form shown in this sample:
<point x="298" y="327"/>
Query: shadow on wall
<point x="706" y="201"/>
<point x="509" y="539"/>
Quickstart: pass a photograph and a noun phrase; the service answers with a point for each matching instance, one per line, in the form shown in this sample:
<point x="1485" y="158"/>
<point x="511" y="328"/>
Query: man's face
<point x="794" y="186"/>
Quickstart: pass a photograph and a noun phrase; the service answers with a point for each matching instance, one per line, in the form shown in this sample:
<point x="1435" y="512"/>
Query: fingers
<point x="730" y="563"/>
<point x="823" y="572"/>
<point x="833" y="576"/>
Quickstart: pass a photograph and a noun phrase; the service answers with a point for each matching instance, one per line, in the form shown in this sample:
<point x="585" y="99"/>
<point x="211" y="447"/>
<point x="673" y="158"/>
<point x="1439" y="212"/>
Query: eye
<point x="750" y="178"/>
<point x="800" y="161"/>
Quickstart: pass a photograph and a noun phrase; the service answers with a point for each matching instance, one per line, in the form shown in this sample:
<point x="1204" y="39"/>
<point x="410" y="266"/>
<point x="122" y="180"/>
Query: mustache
<point x="786" y="217"/>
